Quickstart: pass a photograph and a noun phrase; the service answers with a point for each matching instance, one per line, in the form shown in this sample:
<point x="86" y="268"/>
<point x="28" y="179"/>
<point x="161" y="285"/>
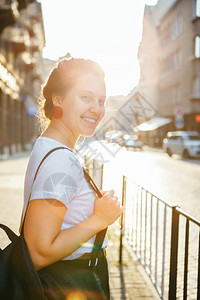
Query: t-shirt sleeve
<point x="58" y="177"/>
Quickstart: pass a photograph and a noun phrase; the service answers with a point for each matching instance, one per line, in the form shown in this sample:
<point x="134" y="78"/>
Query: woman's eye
<point x="101" y="101"/>
<point x="86" y="97"/>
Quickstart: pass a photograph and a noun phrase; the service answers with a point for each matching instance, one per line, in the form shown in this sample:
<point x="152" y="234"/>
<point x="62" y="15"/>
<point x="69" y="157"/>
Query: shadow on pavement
<point x="123" y="294"/>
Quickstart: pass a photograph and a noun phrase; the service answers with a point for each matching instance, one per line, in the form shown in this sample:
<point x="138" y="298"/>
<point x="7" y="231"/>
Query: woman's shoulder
<point x="64" y="158"/>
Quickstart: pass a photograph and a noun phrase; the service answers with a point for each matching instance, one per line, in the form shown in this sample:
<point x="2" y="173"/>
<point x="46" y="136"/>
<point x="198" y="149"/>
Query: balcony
<point x="196" y="24"/>
<point x="195" y="98"/>
<point x="16" y="40"/>
<point x="23" y="3"/>
<point x="28" y="61"/>
<point x="9" y="14"/>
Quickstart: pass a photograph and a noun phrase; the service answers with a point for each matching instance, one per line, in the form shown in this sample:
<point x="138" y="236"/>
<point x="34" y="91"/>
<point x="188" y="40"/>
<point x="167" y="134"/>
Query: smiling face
<point x="83" y="105"/>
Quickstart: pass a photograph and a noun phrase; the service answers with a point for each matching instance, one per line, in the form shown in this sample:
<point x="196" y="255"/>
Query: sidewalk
<point x="128" y="281"/>
<point x="155" y="149"/>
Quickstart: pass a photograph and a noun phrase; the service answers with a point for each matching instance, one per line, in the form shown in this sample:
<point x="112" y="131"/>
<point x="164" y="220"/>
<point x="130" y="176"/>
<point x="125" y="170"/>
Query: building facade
<point x="169" y="57"/>
<point x="21" y="44"/>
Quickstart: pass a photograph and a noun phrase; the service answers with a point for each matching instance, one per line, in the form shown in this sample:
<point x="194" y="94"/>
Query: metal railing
<point x="165" y="239"/>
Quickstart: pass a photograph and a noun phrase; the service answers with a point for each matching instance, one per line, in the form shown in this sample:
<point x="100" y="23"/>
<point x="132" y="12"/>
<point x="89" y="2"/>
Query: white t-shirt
<point x="60" y="177"/>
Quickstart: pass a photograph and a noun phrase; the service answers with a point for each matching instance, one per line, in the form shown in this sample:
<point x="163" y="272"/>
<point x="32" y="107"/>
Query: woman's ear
<point x="56" y="100"/>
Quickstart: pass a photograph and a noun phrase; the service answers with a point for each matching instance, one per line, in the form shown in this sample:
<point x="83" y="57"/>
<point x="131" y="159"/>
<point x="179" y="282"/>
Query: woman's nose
<point x="95" y="107"/>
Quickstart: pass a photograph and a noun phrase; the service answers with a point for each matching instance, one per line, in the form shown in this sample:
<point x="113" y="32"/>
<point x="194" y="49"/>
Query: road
<point x="173" y="179"/>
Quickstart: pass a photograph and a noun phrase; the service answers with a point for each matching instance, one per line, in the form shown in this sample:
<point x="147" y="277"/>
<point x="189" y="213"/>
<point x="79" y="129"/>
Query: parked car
<point x="184" y="143"/>
<point x="113" y="136"/>
<point x="131" y="142"/>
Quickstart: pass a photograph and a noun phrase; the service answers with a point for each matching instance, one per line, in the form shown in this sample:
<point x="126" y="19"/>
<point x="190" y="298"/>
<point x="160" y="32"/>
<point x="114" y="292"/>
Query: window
<point x="197" y="46"/>
<point x="177" y="58"/>
<point x="173" y="61"/>
<point x="198" y="8"/>
<point x="196" y="87"/>
<point x="176" y="27"/>
<point x="173" y="137"/>
<point x="196" y="12"/>
<point x="193" y="137"/>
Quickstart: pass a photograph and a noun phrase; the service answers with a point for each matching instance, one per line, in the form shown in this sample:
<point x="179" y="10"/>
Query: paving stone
<point x="127" y="281"/>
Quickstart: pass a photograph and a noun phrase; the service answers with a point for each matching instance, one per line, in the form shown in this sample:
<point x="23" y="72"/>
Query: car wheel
<point x="186" y="154"/>
<point x="169" y="152"/>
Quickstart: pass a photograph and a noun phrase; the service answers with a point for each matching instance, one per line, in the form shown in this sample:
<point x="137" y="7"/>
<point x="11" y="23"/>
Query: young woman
<point x="62" y="221"/>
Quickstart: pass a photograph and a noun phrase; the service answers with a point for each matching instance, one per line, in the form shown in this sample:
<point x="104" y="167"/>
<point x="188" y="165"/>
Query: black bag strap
<point x="48" y="153"/>
<point x="101" y="235"/>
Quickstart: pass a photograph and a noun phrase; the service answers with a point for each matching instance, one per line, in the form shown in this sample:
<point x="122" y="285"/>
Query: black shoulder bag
<point x="19" y="279"/>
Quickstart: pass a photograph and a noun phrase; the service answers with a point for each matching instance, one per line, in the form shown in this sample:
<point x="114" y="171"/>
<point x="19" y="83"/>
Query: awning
<point x="152" y="124"/>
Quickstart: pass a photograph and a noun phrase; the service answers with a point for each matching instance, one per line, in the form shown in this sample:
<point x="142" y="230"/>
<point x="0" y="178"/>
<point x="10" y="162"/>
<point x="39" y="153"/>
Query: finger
<point x="110" y="193"/>
<point x="103" y="192"/>
<point x="118" y="203"/>
<point x="114" y="198"/>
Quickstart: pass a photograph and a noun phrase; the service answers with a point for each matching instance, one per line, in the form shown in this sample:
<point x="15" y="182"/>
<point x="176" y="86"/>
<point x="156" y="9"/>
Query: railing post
<point x="122" y="221"/>
<point x="173" y="254"/>
<point x="198" y="281"/>
<point x="186" y="259"/>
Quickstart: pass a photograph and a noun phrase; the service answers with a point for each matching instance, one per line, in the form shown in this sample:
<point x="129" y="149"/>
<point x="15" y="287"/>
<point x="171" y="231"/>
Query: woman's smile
<point x="91" y="121"/>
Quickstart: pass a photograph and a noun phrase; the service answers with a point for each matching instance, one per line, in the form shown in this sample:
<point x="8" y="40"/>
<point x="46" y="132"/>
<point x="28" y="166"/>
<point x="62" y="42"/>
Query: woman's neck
<point x="57" y="133"/>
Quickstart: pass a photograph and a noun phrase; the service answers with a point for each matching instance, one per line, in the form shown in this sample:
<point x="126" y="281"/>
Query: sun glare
<point x="108" y="32"/>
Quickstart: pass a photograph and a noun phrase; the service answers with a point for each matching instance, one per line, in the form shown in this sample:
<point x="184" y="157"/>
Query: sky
<point x="106" y="31"/>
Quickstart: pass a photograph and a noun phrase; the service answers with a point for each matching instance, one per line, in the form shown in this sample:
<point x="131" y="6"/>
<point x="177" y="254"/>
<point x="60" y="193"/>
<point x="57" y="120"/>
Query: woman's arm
<point x="47" y="244"/>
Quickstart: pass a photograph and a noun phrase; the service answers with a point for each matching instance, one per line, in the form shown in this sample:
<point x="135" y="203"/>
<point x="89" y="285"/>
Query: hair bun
<point x="46" y="92"/>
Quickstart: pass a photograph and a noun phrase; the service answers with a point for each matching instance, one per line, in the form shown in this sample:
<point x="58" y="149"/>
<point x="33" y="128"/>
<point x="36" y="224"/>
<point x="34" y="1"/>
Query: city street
<point x="173" y="179"/>
<point x="133" y="81"/>
<point x="170" y="178"/>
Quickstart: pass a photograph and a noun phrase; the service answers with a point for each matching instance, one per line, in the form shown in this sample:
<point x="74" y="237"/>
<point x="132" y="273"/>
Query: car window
<point x="179" y="138"/>
<point x="173" y="137"/>
<point x="194" y="137"/>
